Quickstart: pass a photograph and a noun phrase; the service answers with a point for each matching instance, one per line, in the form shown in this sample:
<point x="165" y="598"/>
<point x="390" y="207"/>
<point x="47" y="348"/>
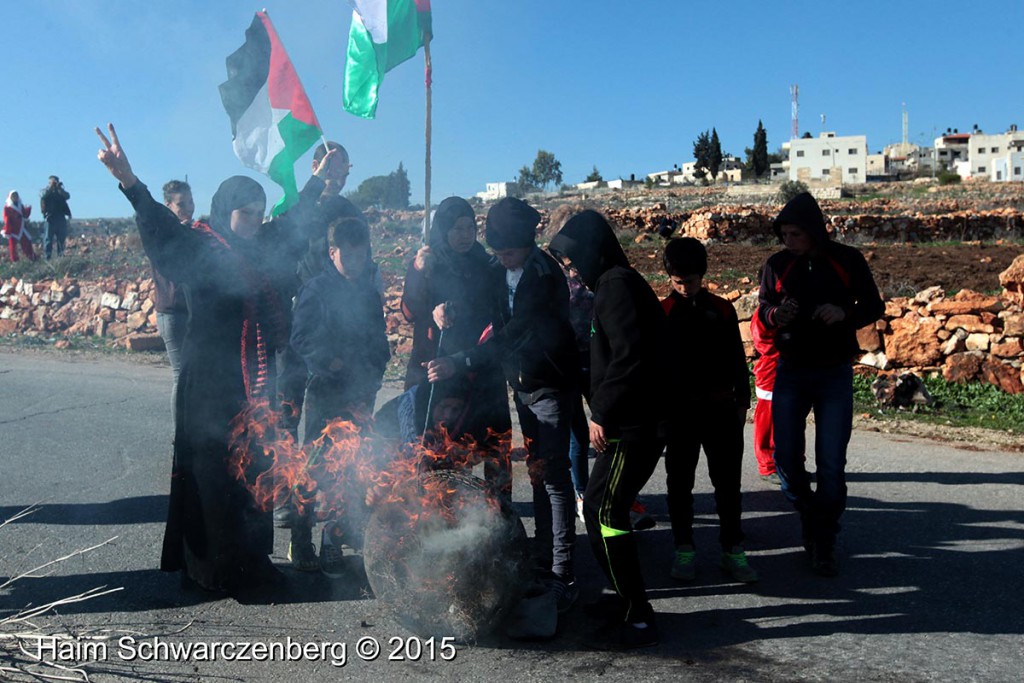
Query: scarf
<point x="263" y="320"/>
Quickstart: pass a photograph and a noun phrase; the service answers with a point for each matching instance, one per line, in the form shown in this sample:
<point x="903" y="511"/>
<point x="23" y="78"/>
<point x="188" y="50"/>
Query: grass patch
<point x="976" y="404"/>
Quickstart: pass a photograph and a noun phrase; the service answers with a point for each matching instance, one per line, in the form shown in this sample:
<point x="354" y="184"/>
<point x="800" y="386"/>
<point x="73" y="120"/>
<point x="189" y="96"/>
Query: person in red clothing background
<point x="15" y="223"/>
<point x="764" y="383"/>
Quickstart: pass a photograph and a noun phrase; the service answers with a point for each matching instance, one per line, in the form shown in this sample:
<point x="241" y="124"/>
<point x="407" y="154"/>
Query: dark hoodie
<point x="830" y="273"/>
<point x="628" y="396"/>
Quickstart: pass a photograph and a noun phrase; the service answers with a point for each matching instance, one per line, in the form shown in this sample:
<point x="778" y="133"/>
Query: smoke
<point x="448" y="557"/>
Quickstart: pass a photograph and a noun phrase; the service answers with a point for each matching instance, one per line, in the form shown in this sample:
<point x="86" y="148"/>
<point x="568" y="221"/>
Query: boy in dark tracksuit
<point x="712" y="380"/>
<point x="628" y="406"/>
<point x="815" y="295"/>
<point x="338" y="329"/>
<point x="536" y="346"/>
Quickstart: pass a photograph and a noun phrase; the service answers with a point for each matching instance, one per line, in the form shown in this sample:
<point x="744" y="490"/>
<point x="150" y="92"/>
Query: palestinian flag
<point x="272" y="121"/>
<point x="384" y="34"/>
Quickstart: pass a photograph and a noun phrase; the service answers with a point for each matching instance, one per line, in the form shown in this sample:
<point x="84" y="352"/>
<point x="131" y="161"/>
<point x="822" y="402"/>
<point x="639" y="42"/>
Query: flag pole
<point x="427" y="79"/>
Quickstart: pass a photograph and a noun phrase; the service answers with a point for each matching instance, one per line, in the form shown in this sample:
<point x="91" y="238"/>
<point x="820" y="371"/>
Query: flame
<point x="349" y="465"/>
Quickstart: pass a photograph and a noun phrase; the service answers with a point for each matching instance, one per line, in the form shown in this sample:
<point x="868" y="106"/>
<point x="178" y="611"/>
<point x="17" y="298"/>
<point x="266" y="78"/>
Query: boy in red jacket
<point x="711" y="377"/>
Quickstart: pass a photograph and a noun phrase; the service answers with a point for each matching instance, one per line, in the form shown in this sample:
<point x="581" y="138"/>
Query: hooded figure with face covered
<point x="230" y="270"/>
<point x="628" y="404"/>
<point x="814" y="296"/>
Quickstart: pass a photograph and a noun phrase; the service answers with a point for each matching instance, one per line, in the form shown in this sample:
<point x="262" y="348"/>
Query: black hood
<point x="803" y="211"/>
<point x="590" y="243"/>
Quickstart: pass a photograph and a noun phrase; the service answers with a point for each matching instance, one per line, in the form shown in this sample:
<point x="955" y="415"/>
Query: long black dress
<point x="472" y="284"/>
<point x="215" y="531"/>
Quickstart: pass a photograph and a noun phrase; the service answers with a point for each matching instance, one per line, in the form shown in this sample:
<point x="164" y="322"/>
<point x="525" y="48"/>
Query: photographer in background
<point x="54" y="204"/>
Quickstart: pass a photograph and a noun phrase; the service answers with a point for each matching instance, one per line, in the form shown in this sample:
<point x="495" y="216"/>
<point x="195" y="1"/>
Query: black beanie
<point x="512" y="224"/>
<point x="685" y="256"/>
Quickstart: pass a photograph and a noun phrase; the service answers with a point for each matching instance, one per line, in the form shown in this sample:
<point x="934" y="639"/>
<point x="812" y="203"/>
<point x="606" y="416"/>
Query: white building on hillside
<point x="983" y="149"/>
<point x="951" y="148"/>
<point x="496" y="191"/>
<point x="828" y="158"/>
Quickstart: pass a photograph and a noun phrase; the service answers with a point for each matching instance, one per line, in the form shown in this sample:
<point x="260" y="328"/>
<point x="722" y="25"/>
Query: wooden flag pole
<point x="428" y="77"/>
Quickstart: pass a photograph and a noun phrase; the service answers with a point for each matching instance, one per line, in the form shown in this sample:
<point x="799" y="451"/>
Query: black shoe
<point x="284" y="517"/>
<point x="609" y="607"/>
<point x="824" y="560"/>
<point x="567" y="592"/>
<point x="623" y="635"/>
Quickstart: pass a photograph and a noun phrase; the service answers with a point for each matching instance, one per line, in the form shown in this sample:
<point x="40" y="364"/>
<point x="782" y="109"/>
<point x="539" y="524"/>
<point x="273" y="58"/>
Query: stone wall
<point x="874" y="221"/>
<point x="967" y="337"/>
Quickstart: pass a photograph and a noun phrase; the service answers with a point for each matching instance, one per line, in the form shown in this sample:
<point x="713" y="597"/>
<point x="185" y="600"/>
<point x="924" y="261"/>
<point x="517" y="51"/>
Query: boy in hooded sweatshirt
<point x="815" y="294"/>
<point x="628" y="409"/>
<point x="713" y="383"/>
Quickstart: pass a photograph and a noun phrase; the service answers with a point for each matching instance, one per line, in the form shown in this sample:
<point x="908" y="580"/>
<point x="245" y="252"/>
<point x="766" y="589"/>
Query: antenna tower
<point x="906" y="127"/>
<point x="794" y="129"/>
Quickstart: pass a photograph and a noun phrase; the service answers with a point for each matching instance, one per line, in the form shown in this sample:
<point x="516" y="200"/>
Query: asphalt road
<point x="930" y="585"/>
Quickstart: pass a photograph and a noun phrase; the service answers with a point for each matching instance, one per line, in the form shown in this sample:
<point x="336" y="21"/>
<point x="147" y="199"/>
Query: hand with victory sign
<point x="113" y="157"/>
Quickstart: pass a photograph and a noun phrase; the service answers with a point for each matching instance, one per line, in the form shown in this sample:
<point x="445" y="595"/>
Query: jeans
<point x="829" y="393"/>
<point x="545" y="427"/>
<point x="56" y="235"/>
<point x="579" y="446"/>
<point x="172" y="328"/>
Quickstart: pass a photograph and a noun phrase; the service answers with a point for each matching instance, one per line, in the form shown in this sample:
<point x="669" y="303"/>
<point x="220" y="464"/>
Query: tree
<point x="758" y="157"/>
<point x="546" y="169"/>
<point x="715" y="155"/>
<point x="526" y="181"/>
<point x="383" y="191"/>
<point x="594" y="177"/>
<point x="702" y="155"/>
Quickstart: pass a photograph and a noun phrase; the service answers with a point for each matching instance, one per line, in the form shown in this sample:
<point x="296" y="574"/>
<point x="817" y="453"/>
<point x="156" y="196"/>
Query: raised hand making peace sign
<point x="113" y="157"/>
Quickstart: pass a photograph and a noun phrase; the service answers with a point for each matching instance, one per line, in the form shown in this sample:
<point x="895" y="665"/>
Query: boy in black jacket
<point x="338" y="329"/>
<point x="536" y="346"/>
<point x="628" y="408"/>
<point x="815" y="295"/>
<point x="712" y="380"/>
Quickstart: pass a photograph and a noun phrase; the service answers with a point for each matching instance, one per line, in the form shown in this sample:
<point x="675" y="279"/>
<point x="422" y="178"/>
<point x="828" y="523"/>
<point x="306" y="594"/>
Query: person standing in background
<point x="54" y="204"/>
<point x="171" y="309"/>
<point x="15" y="227"/>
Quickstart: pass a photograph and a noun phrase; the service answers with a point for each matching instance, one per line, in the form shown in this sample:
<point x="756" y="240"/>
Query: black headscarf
<point x="234" y="193"/>
<point x="590" y="243"/>
<point x="446" y="216"/>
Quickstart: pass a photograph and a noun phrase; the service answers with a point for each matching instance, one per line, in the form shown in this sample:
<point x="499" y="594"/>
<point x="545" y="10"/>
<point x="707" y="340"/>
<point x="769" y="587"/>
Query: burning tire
<point x="446" y="556"/>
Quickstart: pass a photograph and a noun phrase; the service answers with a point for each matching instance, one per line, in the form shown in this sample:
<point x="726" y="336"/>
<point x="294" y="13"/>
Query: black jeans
<point x="716" y="426"/>
<point x="615" y="480"/>
<point x="545" y="427"/>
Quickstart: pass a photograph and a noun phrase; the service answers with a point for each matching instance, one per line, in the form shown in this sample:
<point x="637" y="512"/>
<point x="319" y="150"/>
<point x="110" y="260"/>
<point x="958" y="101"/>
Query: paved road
<point x="930" y="587"/>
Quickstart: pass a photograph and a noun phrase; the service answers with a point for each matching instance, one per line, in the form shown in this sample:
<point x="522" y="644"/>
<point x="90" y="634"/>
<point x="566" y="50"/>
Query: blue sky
<point x="625" y="86"/>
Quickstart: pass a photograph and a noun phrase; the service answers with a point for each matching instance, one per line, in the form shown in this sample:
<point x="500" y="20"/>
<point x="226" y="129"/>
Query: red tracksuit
<point x="764" y="383"/>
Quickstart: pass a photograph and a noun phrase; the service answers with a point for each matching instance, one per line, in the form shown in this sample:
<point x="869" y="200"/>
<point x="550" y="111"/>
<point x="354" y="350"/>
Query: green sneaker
<point x="734" y="563"/>
<point x="684" y="564"/>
